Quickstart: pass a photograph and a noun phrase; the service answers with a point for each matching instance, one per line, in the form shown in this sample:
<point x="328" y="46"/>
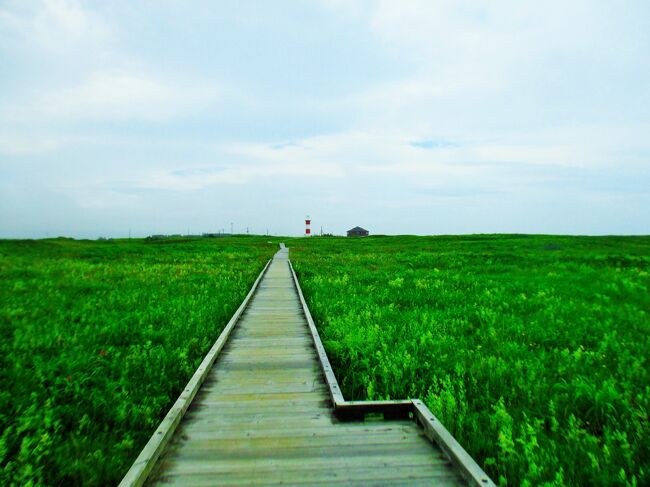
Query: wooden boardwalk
<point x="264" y="416"/>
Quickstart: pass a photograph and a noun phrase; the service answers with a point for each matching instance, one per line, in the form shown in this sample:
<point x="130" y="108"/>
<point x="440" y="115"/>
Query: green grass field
<point x="532" y="350"/>
<point x="98" y="339"/>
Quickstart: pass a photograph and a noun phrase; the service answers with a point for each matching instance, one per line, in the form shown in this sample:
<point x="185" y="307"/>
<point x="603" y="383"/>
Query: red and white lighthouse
<point x="307" y="226"/>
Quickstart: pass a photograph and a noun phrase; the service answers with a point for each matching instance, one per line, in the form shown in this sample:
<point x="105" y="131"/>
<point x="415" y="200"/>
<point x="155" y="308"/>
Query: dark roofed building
<point x="358" y="232"/>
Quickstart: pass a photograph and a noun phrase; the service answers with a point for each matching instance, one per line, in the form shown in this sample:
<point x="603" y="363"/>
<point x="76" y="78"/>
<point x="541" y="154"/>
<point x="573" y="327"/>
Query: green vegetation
<point x="97" y="341"/>
<point x="533" y="350"/>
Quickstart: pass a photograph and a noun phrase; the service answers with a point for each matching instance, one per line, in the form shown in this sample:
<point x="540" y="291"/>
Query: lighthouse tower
<point x="307" y="226"/>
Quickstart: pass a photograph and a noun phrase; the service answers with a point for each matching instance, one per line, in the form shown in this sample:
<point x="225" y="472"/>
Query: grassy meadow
<point x="97" y="341"/>
<point x="532" y="350"/>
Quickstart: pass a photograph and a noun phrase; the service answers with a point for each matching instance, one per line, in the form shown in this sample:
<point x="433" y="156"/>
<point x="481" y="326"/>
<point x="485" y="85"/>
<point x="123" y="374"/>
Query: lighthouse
<point x="307" y="226"/>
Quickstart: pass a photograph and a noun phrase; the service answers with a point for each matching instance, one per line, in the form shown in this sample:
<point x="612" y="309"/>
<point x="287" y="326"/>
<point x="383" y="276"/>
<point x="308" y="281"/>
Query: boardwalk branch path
<point x="263" y="416"/>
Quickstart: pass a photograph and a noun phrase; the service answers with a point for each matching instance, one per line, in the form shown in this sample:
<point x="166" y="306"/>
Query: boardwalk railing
<point x="413" y="408"/>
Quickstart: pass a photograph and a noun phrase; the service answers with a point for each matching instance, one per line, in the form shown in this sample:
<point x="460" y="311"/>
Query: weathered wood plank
<point x="298" y="432"/>
<point x="397" y="475"/>
<point x="289" y="404"/>
<point x="261" y="423"/>
<point x="177" y="466"/>
<point x="313" y="429"/>
<point x="208" y="410"/>
<point x="203" y="444"/>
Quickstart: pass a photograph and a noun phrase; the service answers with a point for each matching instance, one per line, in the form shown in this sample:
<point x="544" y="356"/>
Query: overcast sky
<point x="401" y="116"/>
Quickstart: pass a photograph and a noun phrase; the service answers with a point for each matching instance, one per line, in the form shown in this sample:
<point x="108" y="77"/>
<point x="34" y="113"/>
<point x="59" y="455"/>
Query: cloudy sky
<point x="402" y="116"/>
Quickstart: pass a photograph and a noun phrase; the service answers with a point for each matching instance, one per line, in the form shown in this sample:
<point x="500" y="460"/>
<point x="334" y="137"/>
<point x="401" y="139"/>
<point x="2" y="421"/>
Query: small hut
<point x="358" y="232"/>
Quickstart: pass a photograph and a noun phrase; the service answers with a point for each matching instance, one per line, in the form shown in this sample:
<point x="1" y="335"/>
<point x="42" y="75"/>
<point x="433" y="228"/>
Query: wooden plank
<point x="283" y="365"/>
<point x="326" y="430"/>
<point x="260" y="464"/>
<point x="399" y="476"/>
<point x="272" y="410"/>
<point x="312" y="422"/>
<point x="273" y="388"/>
<point x="268" y="380"/>
<point x="140" y="469"/>
<point x="287" y="403"/>
<point x="216" y="447"/>
<point x="248" y="353"/>
<point x="273" y="332"/>
<point x="238" y="400"/>
<point x="274" y="342"/>
<point x="411" y="474"/>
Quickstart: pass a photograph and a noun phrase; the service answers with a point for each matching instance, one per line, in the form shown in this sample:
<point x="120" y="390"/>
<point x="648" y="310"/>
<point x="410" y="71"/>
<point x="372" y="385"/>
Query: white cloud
<point x="439" y="32"/>
<point x="254" y="172"/>
<point x="121" y="95"/>
<point x="21" y="144"/>
<point x="483" y="66"/>
<point x="68" y="20"/>
<point x="86" y="75"/>
<point x="56" y="26"/>
<point x="49" y="120"/>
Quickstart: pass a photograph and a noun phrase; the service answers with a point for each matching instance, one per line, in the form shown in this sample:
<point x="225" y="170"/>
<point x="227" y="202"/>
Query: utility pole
<point x="231" y="232"/>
